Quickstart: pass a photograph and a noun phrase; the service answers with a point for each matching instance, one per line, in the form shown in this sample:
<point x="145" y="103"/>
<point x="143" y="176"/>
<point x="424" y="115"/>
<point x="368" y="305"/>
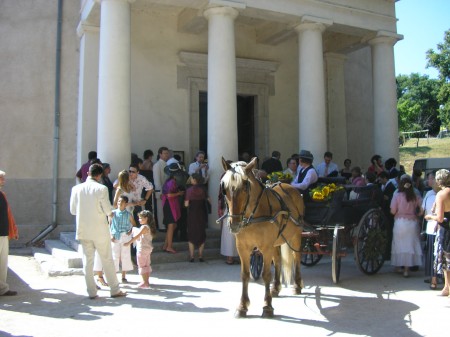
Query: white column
<point x="222" y="110"/>
<point x="312" y="107"/>
<point x="87" y="91"/>
<point x="337" y="116"/>
<point x="113" y="137"/>
<point x="385" y="125"/>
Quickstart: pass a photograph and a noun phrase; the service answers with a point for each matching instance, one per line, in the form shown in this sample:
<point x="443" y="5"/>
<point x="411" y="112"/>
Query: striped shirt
<point x="120" y="223"/>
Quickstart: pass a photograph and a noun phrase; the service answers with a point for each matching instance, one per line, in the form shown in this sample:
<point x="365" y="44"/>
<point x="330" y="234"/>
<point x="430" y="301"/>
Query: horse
<point x="269" y="218"/>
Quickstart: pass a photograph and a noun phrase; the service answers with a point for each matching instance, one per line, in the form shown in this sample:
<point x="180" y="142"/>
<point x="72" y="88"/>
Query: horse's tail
<point x="287" y="264"/>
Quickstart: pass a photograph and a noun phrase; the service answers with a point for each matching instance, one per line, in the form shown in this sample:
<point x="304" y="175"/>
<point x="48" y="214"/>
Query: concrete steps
<point x="63" y="257"/>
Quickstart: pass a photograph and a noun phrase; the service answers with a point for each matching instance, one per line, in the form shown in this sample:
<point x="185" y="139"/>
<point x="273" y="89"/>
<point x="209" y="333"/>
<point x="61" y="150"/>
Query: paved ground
<point x="199" y="300"/>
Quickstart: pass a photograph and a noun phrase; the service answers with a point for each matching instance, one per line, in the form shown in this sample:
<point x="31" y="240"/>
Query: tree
<point x="417" y="103"/>
<point x="441" y="61"/>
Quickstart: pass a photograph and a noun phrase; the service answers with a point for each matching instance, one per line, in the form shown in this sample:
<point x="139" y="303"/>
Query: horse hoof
<point x="297" y="291"/>
<point x="267" y="312"/>
<point x="240" y="314"/>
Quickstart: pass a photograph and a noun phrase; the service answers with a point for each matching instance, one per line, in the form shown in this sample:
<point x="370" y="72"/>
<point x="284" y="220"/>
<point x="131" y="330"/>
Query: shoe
<point x="171" y="251"/>
<point x="93" y="297"/>
<point x="119" y="294"/>
<point x="444" y="292"/>
<point x="102" y="282"/>
<point x="201" y="259"/>
<point x="191" y="259"/>
<point x="124" y="280"/>
<point x="405" y="274"/>
<point x="10" y="293"/>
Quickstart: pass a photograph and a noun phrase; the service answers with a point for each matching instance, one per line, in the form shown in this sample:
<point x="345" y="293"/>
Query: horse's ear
<point x="225" y="165"/>
<point x="251" y="165"/>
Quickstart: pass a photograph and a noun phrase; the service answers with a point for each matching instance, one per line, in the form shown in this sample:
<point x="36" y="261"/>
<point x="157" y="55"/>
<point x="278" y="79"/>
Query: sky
<point x="422" y="23"/>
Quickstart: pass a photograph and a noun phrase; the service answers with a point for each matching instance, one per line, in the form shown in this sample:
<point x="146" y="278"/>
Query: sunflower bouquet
<point x="324" y="192"/>
<point x="279" y="176"/>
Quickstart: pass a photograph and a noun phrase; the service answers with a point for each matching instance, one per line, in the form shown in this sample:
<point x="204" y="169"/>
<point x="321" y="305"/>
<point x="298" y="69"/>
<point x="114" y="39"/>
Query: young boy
<point x="121" y="225"/>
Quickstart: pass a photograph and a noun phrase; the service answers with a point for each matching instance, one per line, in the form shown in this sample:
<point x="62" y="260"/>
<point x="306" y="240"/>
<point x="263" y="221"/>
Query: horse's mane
<point x="234" y="178"/>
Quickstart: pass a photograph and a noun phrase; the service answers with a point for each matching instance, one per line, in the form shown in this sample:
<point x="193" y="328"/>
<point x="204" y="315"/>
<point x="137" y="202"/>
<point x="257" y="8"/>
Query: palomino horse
<point x="266" y="218"/>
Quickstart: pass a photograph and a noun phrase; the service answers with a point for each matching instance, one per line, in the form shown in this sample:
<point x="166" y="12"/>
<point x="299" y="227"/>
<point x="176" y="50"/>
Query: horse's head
<point x="235" y="186"/>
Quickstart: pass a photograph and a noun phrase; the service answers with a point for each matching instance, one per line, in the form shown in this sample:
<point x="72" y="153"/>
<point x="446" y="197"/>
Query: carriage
<point x="334" y="226"/>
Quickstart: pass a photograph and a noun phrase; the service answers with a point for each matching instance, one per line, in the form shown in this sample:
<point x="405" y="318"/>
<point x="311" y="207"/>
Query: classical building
<point x="122" y="76"/>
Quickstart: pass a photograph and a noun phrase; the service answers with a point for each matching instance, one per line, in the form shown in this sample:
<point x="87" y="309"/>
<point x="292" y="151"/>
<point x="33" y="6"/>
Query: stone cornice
<point x="383" y="37"/>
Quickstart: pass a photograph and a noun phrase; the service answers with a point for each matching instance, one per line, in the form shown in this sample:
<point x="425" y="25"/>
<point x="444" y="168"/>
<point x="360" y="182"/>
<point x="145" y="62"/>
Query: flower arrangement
<point x="279" y="176"/>
<point x="324" y="192"/>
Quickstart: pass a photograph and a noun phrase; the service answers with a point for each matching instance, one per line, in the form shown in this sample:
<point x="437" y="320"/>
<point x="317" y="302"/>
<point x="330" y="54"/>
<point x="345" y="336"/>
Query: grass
<point x="427" y="148"/>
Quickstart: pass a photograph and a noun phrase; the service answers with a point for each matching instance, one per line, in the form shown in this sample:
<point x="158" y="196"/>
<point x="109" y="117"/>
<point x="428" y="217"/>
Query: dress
<point x="144" y="249"/>
<point x="171" y="205"/>
<point x="406" y="249"/>
<point x="197" y="214"/>
<point x="445" y="241"/>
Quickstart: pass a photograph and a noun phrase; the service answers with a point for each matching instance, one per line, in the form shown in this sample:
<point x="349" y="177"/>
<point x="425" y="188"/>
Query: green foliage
<point x="417" y="105"/>
<point x="440" y="60"/>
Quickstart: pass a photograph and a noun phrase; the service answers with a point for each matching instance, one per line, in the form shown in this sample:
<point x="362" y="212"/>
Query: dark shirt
<point x="272" y="165"/>
<point x="4" y="225"/>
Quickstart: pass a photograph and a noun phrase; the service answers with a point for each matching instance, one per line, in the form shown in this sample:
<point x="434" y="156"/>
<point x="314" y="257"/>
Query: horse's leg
<point x="242" y="309"/>
<point x="267" y="276"/>
<point x="276" y="287"/>
<point x="297" y="263"/>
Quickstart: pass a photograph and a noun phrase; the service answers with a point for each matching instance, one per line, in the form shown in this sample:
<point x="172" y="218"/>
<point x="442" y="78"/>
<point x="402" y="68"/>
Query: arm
<point x="394" y="205"/>
<point x="438" y="209"/>
<point x="310" y="178"/>
<point x="73" y="202"/>
<point x="143" y="230"/>
<point x="133" y="223"/>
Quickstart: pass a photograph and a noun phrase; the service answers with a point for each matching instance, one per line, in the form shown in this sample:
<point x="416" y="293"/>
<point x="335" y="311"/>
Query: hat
<point x="172" y="168"/>
<point x="305" y="154"/>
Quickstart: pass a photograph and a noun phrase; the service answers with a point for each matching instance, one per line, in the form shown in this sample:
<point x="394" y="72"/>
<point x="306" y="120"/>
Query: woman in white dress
<point x="406" y="207"/>
<point x="228" y="240"/>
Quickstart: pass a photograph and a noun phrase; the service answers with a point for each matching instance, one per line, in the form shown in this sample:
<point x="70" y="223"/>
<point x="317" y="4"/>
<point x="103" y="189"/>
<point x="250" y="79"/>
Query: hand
<point x="142" y="202"/>
<point x="428" y="217"/>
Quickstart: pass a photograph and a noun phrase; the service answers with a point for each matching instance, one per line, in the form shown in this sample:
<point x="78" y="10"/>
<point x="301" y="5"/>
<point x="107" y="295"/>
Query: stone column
<point x="337" y="116"/>
<point x="87" y="91"/>
<point x="385" y="125"/>
<point x="113" y="130"/>
<point x="222" y="111"/>
<point x="312" y="107"/>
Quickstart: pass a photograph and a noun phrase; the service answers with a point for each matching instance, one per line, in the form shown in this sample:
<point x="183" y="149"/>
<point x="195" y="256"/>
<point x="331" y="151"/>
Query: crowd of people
<point x="144" y="198"/>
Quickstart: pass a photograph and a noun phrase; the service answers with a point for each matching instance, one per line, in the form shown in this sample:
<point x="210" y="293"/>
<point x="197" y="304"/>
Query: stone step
<point x="64" y="256"/>
<point x="69" y="257"/>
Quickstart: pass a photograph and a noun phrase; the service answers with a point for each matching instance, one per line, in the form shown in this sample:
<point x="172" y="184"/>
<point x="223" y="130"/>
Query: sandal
<point x="433" y="283"/>
<point x="444" y="292"/>
<point x="102" y="282"/>
<point x="119" y="294"/>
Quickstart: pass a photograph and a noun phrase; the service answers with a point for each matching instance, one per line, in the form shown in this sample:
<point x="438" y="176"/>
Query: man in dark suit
<point x="273" y="164"/>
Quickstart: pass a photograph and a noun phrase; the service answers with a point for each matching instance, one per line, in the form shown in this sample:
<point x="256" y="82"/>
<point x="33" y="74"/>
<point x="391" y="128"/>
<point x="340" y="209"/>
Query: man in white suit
<point x="90" y="203"/>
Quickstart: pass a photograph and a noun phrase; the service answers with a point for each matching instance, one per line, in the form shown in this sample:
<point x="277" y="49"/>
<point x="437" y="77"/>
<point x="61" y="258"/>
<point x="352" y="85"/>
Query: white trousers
<point x="103" y="248"/>
<point x="4" y="252"/>
<point x="122" y="254"/>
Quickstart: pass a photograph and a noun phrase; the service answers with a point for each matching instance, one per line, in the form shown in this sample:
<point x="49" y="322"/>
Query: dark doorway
<point x="245" y="120"/>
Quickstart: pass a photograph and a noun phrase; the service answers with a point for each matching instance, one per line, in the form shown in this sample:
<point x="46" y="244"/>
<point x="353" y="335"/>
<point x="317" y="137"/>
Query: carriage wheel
<point x="256" y="264"/>
<point x="336" y="255"/>
<point x="309" y="259"/>
<point x="370" y="246"/>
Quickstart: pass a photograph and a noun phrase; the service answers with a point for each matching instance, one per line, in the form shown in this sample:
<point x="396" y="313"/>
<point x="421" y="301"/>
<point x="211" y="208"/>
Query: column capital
<point x="384" y="37"/>
<point x="308" y="22"/>
<point x="335" y="56"/>
<point x="86" y="27"/>
<point x="225" y="11"/>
